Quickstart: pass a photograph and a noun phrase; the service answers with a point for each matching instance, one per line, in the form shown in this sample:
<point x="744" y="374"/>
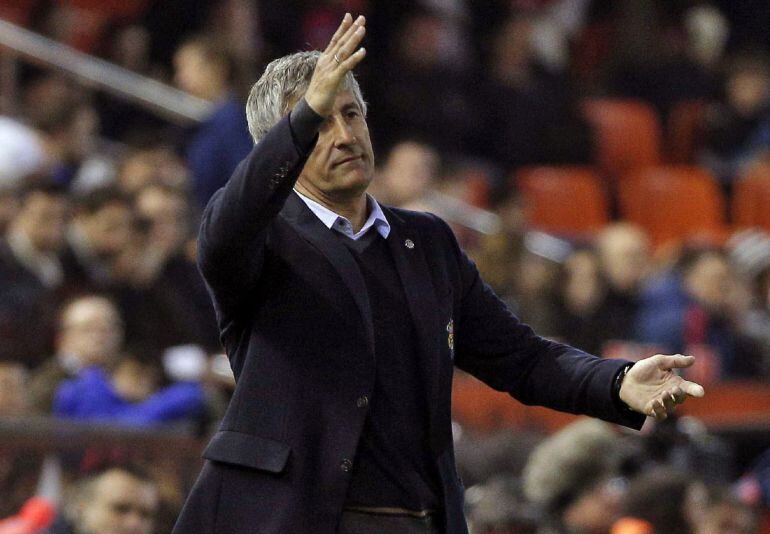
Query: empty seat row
<point x="672" y="203"/>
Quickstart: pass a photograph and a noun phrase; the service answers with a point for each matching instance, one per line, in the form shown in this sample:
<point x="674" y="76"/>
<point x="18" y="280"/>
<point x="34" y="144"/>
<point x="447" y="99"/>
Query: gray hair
<point x="283" y="83"/>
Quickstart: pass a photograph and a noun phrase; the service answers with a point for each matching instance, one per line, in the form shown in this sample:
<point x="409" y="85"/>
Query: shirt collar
<point x="334" y="221"/>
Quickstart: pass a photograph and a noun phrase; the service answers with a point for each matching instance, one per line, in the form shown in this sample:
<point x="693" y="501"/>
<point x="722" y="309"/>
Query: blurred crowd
<point x="105" y="318"/>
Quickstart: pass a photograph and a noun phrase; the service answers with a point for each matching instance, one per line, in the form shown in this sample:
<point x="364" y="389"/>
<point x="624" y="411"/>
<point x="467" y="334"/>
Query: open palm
<point x="653" y="388"/>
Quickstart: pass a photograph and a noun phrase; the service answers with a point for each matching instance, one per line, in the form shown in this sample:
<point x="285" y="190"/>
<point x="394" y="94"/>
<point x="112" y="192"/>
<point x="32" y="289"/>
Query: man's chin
<point x="355" y="181"/>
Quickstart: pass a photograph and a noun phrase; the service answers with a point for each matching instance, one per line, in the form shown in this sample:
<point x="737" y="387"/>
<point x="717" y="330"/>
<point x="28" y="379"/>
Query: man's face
<point x="625" y="259"/>
<point x="120" y="504"/>
<point x="709" y="281"/>
<point x="167" y="215"/>
<point x="342" y="162"/>
<point x="109" y="230"/>
<point x="91" y="330"/>
<point x="196" y="74"/>
<point x="43" y="218"/>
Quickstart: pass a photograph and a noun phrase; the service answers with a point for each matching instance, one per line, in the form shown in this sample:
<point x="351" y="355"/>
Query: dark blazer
<point x="27" y="312"/>
<point x="295" y="321"/>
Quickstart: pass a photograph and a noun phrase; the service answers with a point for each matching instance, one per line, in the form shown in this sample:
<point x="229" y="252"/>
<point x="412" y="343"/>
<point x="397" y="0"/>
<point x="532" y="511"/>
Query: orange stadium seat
<point x="751" y="199"/>
<point x="563" y="200"/>
<point x="627" y="134"/>
<point x="674" y="203"/>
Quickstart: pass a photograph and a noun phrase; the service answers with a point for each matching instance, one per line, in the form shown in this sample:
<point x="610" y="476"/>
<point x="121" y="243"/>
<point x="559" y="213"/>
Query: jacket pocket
<point x="248" y="450"/>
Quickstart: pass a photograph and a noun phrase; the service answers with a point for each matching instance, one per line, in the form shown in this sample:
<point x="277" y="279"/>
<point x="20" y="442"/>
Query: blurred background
<point x="606" y="164"/>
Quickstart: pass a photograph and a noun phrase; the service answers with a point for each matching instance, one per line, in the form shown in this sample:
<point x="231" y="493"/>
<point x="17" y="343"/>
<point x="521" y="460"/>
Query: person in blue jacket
<point x="98" y="396"/>
<point x="216" y="146"/>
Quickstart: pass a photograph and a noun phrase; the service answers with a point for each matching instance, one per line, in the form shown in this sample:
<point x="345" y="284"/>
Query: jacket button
<point x="346" y="465"/>
<point x="362" y="401"/>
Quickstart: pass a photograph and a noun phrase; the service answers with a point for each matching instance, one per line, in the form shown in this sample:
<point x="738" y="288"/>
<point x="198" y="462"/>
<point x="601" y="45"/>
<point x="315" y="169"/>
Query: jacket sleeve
<point x="235" y="222"/>
<point x="494" y="346"/>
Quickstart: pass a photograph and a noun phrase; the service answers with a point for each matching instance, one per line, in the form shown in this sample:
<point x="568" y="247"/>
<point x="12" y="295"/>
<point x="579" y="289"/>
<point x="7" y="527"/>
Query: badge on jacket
<point x="450" y="338"/>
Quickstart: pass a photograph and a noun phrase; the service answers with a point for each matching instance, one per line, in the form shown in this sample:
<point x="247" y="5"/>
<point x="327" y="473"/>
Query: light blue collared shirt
<point x="334" y="221"/>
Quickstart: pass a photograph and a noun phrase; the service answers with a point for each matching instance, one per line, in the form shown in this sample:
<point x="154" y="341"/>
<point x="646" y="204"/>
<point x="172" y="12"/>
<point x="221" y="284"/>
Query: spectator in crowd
<point x="498" y="507"/>
<point x="624" y="255"/>
<point x="100" y="233"/>
<point x="31" y="273"/>
<point x="663" y="501"/>
<point x="725" y="514"/>
<point x="409" y="176"/>
<point x="529" y="117"/>
<point x="205" y="69"/>
<point x="154" y="164"/>
<point x="127" y="47"/>
<point x="128" y="395"/>
<point x="694" y="315"/>
<point x="654" y="41"/>
<point x="574" y="476"/>
<point x="67" y="127"/>
<point x="119" y="500"/>
<point x="497" y="255"/>
<point x="582" y="319"/>
<point x="750" y="252"/>
<point x="167" y="273"/>
<point x="90" y="334"/>
<point x="418" y="75"/>
<point x="535" y="293"/>
<point x="738" y="128"/>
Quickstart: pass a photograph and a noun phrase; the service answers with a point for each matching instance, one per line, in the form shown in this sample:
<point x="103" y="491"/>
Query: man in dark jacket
<point x="343" y="320"/>
<point x="31" y="274"/>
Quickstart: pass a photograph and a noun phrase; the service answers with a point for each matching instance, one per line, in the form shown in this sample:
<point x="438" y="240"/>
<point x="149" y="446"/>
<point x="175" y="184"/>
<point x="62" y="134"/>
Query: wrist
<point x="317" y="105"/>
<point x="617" y="385"/>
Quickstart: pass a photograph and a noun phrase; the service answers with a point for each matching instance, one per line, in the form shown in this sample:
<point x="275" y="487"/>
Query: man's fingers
<point x="657" y="410"/>
<point x="350" y="43"/>
<point x="351" y="62"/>
<point x="676" y="361"/>
<point x="347" y="35"/>
<point x="347" y="20"/>
<point x="669" y="401"/>
<point x="692" y="389"/>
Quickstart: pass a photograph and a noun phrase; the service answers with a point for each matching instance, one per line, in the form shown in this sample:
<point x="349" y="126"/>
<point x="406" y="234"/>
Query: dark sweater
<point x="393" y="466"/>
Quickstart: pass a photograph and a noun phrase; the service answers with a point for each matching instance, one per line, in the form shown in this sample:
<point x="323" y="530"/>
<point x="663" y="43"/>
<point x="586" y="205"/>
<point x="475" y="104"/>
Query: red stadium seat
<point x="563" y="200"/>
<point x="674" y="203"/>
<point x="751" y="199"/>
<point x="627" y="134"/>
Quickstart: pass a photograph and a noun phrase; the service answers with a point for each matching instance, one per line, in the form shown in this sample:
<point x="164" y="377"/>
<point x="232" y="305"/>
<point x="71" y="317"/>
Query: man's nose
<point x="343" y="133"/>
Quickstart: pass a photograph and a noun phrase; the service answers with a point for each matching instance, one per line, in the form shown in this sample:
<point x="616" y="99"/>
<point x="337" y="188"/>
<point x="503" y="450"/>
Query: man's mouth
<point x="346" y="160"/>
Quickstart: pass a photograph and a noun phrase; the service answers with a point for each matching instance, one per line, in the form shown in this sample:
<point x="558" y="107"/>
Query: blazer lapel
<point x="409" y="256"/>
<point x="305" y="222"/>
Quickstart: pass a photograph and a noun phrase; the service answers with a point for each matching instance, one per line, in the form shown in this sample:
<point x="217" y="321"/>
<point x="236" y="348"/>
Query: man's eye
<point x="352" y="114"/>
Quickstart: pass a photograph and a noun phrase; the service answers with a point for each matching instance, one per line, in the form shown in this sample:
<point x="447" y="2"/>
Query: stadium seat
<point x="563" y="200"/>
<point x="751" y="199"/>
<point x="674" y="203"/>
<point x="685" y="131"/>
<point x="627" y="134"/>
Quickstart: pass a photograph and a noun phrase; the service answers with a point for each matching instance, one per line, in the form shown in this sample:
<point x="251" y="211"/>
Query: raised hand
<point x="652" y="388"/>
<point x="339" y="58"/>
